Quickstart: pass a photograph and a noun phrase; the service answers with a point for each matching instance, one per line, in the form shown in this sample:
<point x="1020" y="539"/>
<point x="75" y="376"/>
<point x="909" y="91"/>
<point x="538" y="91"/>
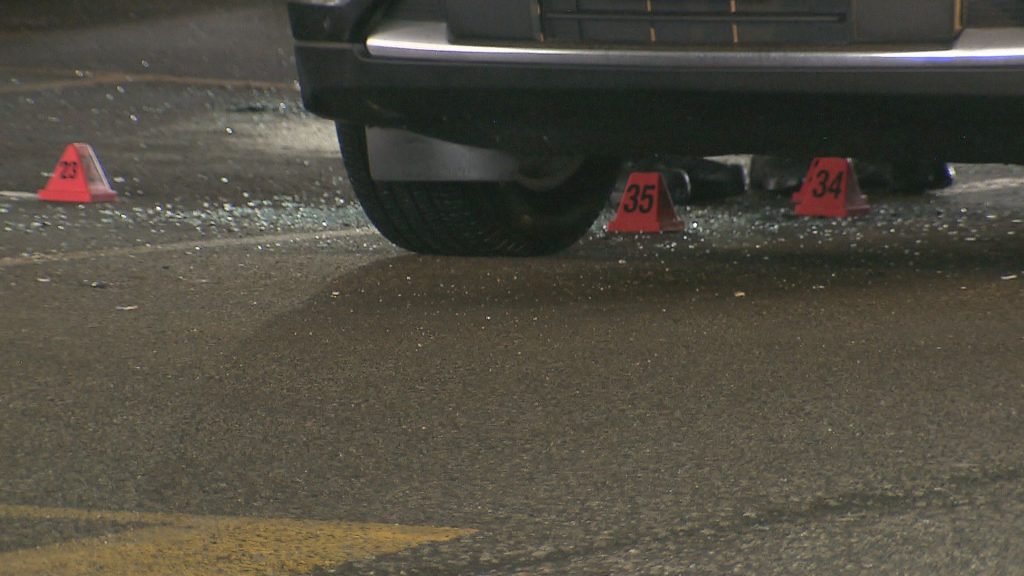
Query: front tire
<point x="477" y="218"/>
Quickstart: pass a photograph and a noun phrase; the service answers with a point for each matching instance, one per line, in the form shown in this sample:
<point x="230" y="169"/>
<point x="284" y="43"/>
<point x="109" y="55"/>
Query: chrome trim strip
<point x="976" y="48"/>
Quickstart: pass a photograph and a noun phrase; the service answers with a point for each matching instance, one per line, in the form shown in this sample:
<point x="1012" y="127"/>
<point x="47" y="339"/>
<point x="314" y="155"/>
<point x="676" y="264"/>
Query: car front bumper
<point x="961" y="101"/>
<point x="995" y="55"/>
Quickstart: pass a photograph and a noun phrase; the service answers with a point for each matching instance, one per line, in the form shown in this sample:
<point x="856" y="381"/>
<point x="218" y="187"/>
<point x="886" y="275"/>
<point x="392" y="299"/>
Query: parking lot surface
<point x="228" y="371"/>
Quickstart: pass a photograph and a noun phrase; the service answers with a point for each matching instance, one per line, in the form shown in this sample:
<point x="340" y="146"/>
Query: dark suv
<point x="498" y="126"/>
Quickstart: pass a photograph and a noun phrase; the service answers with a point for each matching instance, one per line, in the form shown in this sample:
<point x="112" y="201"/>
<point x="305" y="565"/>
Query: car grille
<point x="424" y="10"/>
<point x="979" y="13"/>
<point x="766" y="22"/>
<point x="995" y="13"/>
<point x="704" y="22"/>
<point x="712" y="22"/>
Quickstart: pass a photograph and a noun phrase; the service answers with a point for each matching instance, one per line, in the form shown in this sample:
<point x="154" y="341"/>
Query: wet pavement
<point x="759" y="394"/>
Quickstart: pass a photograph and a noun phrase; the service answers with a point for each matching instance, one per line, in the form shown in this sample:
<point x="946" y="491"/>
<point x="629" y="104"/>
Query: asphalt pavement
<point x="227" y="371"/>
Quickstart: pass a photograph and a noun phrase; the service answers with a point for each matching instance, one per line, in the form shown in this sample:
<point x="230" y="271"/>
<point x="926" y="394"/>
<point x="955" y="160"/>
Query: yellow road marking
<point x="80" y="78"/>
<point x="174" y="544"/>
<point x="12" y="261"/>
<point x="17" y="195"/>
<point x="986" y="185"/>
<point x="51" y="85"/>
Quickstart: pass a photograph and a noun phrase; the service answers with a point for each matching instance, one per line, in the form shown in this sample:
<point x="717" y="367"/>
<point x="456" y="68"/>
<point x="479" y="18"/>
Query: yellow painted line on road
<point x="17" y="195"/>
<point x="78" y="78"/>
<point x="187" y="245"/>
<point x="200" y="81"/>
<point x="51" y="85"/>
<point x="174" y="544"/>
<point x="986" y="186"/>
<point x="43" y="70"/>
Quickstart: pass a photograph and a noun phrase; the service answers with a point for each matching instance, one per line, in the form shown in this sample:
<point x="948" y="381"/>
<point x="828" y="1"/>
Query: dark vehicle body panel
<point x="935" y="108"/>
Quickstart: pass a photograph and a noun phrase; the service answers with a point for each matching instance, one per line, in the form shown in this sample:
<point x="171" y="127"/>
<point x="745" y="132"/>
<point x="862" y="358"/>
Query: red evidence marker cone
<point x="830" y="190"/>
<point x="646" y="206"/>
<point x="78" y="177"/>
